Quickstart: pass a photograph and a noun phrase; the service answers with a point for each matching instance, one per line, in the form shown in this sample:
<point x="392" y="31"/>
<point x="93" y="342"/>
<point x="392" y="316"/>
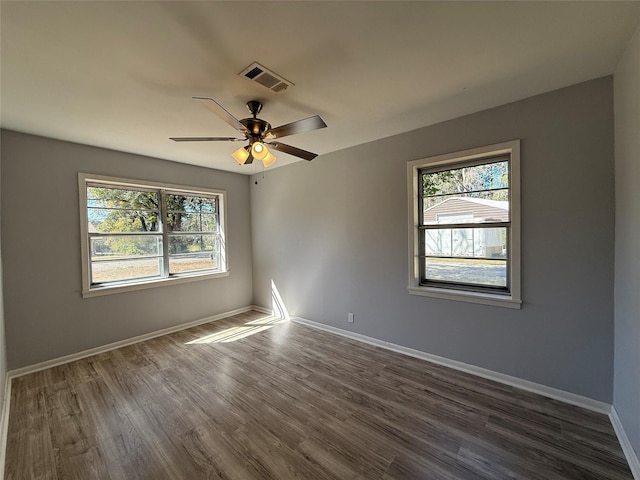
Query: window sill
<point x="162" y="282"/>
<point x="505" y="301"/>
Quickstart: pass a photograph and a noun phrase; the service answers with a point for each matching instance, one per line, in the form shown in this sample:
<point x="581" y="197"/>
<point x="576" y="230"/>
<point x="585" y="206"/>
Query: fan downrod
<point x="254" y="107"/>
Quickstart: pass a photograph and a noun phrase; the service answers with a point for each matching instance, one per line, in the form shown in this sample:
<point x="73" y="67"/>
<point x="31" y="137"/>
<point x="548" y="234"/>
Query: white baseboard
<point x="268" y="311"/>
<point x="625" y="443"/>
<point x="557" y="394"/>
<point x="4" y="423"/>
<point x="18" y="372"/>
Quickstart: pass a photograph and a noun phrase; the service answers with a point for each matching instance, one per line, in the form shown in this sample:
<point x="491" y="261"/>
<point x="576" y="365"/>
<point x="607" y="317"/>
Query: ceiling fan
<point x="256" y="131"/>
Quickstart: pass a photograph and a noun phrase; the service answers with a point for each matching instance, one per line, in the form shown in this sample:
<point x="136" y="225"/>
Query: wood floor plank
<point x="327" y="459"/>
<point x="578" y="450"/>
<point x="166" y="455"/>
<point x="411" y="467"/>
<point x="80" y="461"/>
<point x="557" y="455"/>
<point x="497" y="464"/>
<point x="251" y="397"/>
<point x="214" y="453"/>
<point x="30" y="453"/>
<point x="130" y="456"/>
<point x="280" y="461"/>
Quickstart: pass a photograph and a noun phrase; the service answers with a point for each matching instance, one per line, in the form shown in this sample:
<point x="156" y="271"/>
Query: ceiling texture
<point x="121" y="75"/>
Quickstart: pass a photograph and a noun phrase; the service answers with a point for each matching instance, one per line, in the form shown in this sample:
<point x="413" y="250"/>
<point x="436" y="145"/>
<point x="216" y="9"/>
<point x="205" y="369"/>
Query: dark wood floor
<point x="250" y="398"/>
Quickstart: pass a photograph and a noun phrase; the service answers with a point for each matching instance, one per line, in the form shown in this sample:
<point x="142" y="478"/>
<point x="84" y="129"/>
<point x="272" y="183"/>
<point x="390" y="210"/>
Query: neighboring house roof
<point x="479" y="207"/>
<point x="502" y="204"/>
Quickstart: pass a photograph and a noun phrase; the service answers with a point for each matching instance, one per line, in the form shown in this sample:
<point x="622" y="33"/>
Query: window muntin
<point x="464" y="220"/>
<point x="136" y="233"/>
<point x="456" y="250"/>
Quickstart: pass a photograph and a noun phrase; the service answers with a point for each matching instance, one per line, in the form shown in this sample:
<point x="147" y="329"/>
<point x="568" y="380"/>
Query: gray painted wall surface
<point x="3" y="343"/>
<point x="332" y="235"/>
<point x="626" y="397"/>
<point x="45" y="315"/>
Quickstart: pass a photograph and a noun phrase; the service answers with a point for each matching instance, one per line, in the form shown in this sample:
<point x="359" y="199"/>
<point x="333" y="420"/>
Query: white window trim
<point x="513" y="299"/>
<point x="96" y="291"/>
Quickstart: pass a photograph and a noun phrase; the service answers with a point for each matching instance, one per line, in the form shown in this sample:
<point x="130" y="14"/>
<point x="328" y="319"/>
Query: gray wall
<point x="626" y="397"/>
<point x="45" y="315"/>
<point x="332" y="235"/>
<point x="3" y="343"/>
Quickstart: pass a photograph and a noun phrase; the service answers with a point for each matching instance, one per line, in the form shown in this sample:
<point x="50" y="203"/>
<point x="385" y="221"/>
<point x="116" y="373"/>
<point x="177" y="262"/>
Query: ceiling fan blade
<point x="221" y="112"/>
<point x="298" y="152"/>
<point x="207" y="139"/>
<point x="299" y="126"/>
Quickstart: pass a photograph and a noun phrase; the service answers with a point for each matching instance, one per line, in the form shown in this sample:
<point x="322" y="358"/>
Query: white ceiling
<point x="121" y="74"/>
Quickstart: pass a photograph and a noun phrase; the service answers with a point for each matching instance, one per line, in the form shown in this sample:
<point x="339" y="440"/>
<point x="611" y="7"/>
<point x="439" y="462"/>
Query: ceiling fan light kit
<point x="256" y="131"/>
<point x="259" y="151"/>
<point x="268" y="160"/>
<point x="241" y="155"/>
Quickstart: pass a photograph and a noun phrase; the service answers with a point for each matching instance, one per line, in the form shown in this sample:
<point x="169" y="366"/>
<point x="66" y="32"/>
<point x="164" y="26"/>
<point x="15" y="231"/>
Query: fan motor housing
<point x="256" y="126"/>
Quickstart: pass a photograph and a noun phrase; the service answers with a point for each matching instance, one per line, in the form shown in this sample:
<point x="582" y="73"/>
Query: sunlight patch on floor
<point x="236" y="333"/>
<point x="257" y="325"/>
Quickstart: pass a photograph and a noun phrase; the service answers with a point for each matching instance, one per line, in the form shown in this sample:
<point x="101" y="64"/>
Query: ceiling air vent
<point x="265" y="77"/>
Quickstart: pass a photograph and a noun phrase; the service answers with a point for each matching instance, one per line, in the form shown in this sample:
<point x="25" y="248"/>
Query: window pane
<point x="438" y="242"/>
<point x="467" y="179"/>
<point x="125" y="246"/>
<point x="192" y="222"/>
<point x="191" y="243"/>
<point x="125" y="269"/>
<point x="121" y="198"/>
<point x="480" y="272"/>
<point x="190" y="203"/>
<point x="466" y="242"/>
<point x="105" y="220"/>
<point x="193" y="262"/>
<point x="187" y="213"/>
<point x="114" y="210"/>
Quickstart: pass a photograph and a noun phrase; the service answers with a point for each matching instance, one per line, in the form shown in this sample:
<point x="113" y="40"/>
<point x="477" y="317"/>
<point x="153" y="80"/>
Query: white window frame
<point x="89" y="290"/>
<point x="513" y="298"/>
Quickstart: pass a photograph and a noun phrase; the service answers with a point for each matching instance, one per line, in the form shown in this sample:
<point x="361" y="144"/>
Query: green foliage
<point x="113" y="210"/>
<point x="119" y="210"/>
<point x="435" y="183"/>
<point x="471" y="181"/>
<point x="130" y="245"/>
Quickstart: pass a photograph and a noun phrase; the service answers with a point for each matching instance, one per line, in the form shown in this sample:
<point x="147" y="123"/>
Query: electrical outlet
<point x="350" y="317"/>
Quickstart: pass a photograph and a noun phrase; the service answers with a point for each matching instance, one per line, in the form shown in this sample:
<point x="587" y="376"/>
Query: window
<point x="464" y="238"/>
<point x="138" y="235"/>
